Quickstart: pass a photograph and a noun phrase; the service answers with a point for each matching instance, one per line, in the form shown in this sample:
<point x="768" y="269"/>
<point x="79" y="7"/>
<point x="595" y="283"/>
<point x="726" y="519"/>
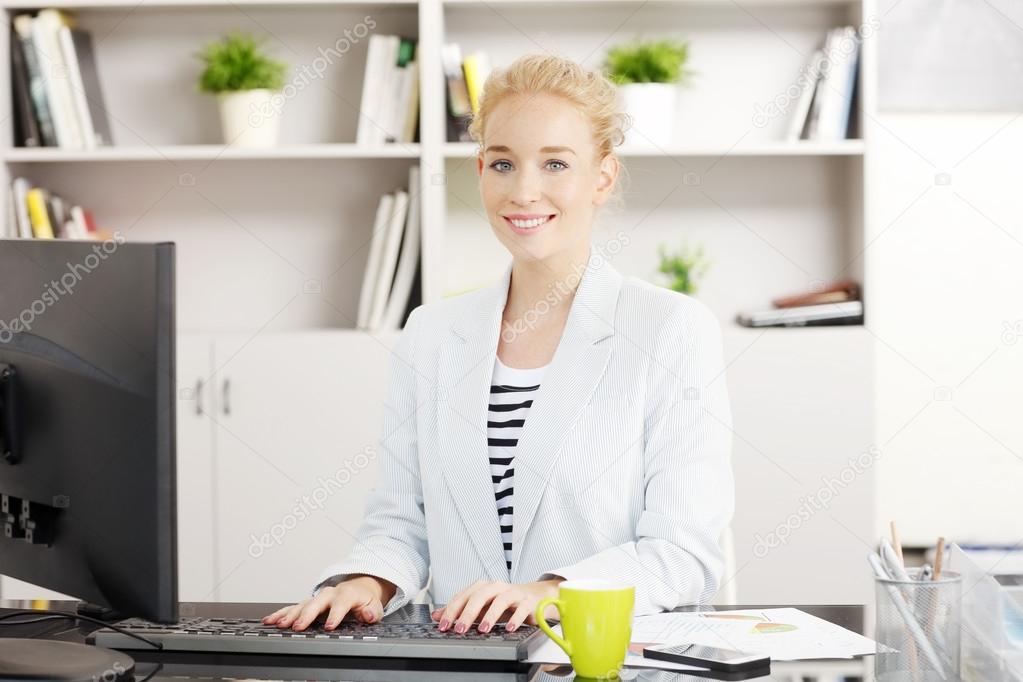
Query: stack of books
<point x="391" y="283"/>
<point x="464" y="78"/>
<point x="58" y="101"/>
<point x="823" y="109"/>
<point x="36" y="213"/>
<point x="836" y="304"/>
<point x="389" y="111"/>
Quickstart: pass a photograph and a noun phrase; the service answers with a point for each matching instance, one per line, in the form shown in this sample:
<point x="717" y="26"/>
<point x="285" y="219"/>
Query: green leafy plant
<point x="237" y="62"/>
<point x="657" y="61"/>
<point x="684" y="269"/>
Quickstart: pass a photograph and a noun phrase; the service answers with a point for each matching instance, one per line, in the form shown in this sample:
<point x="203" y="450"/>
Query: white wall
<point x="946" y="307"/>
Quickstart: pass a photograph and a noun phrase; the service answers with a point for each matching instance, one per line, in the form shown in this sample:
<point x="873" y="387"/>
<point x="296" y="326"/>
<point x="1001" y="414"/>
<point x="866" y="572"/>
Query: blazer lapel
<point x="578" y="365"/>
<point x="466" y="365"/>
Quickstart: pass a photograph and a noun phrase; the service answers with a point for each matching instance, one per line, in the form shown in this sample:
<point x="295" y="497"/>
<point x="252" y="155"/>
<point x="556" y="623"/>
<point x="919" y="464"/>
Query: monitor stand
<point x="42" y="659"/>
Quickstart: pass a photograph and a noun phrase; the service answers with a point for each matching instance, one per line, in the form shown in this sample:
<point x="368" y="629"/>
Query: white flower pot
<point x="651" y="107"/>
<point x="250" y="118"/>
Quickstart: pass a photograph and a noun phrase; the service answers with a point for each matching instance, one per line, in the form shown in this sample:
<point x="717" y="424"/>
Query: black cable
<point x="50" y="615"/>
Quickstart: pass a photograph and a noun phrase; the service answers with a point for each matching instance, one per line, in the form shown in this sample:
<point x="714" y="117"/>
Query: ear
<point x="479" y="164"/>
<point x="606" y="178"/>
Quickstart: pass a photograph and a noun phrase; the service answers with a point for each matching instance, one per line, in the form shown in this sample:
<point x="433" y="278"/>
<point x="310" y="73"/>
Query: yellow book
<point x="41" y="227"/>
<point x="473" y="80"/>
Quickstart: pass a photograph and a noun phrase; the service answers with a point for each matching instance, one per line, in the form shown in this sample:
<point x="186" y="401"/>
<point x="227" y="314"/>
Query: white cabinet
<point x="196" y="527"/>
<point x="293" y="421"/>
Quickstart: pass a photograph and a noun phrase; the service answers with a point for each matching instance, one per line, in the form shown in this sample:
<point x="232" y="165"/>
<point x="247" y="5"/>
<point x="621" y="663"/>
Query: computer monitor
<point x="87" y="421"/>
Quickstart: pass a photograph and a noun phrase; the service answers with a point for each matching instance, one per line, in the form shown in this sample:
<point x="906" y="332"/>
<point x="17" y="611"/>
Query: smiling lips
<point x="526" y="222"/>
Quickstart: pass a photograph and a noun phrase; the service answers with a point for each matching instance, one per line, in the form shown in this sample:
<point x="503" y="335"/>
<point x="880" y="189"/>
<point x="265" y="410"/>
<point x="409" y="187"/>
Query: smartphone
<point x="707" y="657"/>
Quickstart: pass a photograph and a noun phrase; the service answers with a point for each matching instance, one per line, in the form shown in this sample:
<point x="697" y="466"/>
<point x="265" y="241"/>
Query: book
<point x="476" y="67"/>
<point x="848" y="312"/>
<point x="833" y="117"/>
<point x="459" y="106"/>
<point x="36" y="85"/>
<point x="38" y="214"/>
<point x="408" y="260"/>
<point x="801" y="112"/>
<point x="402" y="76"/>
<point x="411" y="123"/>
<point x="9" y="230"/>
<point x="369" y="277"/>
<point x="842" y="290"/>
<point x="388" y="259"/>
<point x="45" y="36"/>
<point x="80" y="105"/>
<point x="21" y="186"/>
<point x="26" y="129"/>
<point x="375" y="59"/>
<point x="92" y="110"/>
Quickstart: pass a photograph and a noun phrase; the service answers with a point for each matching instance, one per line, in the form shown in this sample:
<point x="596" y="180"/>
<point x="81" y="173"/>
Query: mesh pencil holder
<point x="918" y="626"/>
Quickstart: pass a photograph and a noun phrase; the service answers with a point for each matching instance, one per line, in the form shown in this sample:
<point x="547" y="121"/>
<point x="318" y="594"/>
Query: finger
<point x="372" y="612"/>
<point x="275" y="616"/>
<point x="339" y="608"/>
<point x="313" y="608"/>
<point x="524" y="611"/>
<point x="454" y="607"/>
<point x="479" y="599"/>
<point x="289" y="617"/>
<point x="497" y="608"/>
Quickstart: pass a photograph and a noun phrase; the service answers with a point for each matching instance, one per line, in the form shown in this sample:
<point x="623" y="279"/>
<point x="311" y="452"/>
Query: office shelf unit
<point x="272" y="243"/>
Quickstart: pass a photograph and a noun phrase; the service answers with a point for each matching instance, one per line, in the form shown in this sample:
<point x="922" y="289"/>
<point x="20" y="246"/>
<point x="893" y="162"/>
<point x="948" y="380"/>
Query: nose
<point x="526" y="189"/>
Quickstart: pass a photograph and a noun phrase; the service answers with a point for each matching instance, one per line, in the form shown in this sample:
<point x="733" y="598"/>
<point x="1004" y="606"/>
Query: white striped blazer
<point x="622" y="469"/>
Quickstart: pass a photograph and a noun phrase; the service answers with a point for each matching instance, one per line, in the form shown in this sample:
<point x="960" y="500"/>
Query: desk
<point x="175" y="667"/>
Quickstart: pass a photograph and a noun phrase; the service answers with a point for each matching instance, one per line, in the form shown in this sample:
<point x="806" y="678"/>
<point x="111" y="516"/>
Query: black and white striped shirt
<point x="511" y="395"/>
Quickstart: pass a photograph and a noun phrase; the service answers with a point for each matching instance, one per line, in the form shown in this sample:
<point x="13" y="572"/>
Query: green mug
<point x="596" y="620"/>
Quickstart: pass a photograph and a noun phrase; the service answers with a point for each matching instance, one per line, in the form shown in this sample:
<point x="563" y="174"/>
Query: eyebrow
<point x="544" y="150"/>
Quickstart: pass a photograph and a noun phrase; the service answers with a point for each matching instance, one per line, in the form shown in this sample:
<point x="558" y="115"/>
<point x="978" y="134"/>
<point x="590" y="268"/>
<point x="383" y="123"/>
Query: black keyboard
<point x="398" y="638"/>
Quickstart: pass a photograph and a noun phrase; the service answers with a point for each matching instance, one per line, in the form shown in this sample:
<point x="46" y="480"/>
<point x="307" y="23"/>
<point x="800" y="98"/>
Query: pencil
<point x="937" y="558"/>
<point x="896" y="545"/>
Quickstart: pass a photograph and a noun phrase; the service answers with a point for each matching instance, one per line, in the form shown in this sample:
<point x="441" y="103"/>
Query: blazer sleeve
<point x="689" y="488"/>
<point x="391" y="542"/>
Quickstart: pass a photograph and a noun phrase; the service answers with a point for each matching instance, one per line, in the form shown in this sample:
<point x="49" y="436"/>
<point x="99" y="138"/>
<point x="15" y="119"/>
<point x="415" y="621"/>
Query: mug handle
<point x="538" y="614"/>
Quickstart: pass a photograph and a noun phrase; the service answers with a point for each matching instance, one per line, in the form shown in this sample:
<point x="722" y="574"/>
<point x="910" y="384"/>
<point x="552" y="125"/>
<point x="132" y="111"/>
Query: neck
<point x="539" y="288"/>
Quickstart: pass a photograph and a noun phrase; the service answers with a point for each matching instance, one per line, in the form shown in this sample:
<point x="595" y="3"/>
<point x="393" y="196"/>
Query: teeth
<point x="529" y="223"/>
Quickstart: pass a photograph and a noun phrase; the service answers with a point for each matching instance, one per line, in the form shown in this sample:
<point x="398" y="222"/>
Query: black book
<point x="36" y="85"/>
<point x="415" y="298"/>
<point x="90" y="82"/>
<point x="26" y="128"/>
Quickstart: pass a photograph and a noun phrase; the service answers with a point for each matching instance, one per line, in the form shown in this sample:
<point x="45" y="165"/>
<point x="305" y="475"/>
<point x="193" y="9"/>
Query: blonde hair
<point x="591" y="92"/>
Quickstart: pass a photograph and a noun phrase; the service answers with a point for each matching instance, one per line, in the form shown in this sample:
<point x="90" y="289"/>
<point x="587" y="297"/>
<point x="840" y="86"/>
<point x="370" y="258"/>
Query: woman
<point x="623" y="470"/>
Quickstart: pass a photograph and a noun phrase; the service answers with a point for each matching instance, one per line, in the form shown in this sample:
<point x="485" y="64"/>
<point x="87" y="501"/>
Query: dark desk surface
<point x="163" y="667"/>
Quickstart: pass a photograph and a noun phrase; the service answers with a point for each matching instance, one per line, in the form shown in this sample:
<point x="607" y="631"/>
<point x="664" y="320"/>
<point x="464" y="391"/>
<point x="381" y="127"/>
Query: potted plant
<point x="647" y="74"/>
<point x="684" y="269"/>
<point x="245" y="81"/>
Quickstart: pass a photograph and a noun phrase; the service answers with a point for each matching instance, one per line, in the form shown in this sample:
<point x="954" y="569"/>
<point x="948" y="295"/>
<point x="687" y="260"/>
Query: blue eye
<point x="497" y="163"/>
<point x="562" y="163"/>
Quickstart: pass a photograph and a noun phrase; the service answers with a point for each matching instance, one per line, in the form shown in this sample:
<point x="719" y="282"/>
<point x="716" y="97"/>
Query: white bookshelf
<point x="275" y="241"/>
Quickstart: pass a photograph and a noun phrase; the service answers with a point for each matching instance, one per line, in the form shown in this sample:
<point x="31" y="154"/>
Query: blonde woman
<point x="566" y="422"/>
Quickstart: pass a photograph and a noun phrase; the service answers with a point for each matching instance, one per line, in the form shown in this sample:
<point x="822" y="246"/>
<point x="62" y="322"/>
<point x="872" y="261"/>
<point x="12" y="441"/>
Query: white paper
<point x="784" y="634"/>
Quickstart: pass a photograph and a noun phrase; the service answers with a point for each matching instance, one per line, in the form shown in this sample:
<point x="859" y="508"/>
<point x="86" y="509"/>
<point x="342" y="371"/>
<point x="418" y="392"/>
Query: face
<point x="540" y="178"/>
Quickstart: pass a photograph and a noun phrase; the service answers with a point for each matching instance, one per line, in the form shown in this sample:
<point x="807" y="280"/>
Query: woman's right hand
<point x="363" y="596"/>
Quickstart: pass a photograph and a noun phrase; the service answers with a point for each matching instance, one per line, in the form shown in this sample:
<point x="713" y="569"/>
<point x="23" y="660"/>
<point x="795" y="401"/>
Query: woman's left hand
<point x="490" y="600"/>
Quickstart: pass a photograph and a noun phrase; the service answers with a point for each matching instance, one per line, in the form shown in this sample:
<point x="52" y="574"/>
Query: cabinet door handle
<point x="225" y="394"/>
<point x="198" y="396"/>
